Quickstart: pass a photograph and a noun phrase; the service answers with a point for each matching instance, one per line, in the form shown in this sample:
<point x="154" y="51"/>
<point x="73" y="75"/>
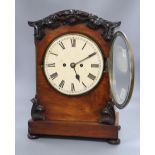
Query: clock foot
<point x="113" y="141"/>
<point x="31" y="136"/>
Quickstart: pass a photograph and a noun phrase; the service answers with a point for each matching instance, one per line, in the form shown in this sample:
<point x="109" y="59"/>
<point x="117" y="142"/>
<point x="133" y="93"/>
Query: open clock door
<point x="121" y="70"/>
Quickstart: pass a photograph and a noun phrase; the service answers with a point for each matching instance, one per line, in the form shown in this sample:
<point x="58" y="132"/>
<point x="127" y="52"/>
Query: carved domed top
<point x="72" y="17"/>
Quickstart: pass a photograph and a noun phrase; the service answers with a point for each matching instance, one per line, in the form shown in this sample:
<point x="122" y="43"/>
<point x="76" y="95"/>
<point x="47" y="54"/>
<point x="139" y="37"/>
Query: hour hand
<point x="77" y="76"/>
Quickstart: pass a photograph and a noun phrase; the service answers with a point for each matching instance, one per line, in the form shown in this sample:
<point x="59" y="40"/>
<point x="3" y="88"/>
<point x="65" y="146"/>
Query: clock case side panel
<point x="105" y="114"/>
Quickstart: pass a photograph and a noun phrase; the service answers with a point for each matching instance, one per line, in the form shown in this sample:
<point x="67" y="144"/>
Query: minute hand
<point x="89" y="56"/>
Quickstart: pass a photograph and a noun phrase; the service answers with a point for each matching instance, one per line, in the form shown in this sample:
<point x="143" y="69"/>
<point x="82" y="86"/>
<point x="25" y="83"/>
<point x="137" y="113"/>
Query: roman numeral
<point x="84" y="85"/>
<point x="54" y="54"/>
<point x="94" y="65"/>
<point x="62" y="45"/>
<point x="91" y="76"/>
<point x="51" y="65"/>
<point x="73" y="42"/>
<point x="72" y="87"/>
<point x="54" y="75"/>
<point x="62" y="83"/>
<point x="84" y="46"/>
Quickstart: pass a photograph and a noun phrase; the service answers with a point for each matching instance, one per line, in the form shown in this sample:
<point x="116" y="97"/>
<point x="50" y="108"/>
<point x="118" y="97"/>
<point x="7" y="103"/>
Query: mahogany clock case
<point x="89" y="115"/>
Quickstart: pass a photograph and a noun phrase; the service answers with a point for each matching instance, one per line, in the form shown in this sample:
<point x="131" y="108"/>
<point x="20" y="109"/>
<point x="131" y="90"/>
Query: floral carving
<point x="73" y="17"/>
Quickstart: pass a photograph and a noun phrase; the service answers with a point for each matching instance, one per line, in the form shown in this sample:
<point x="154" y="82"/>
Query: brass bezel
<point x="110" y="70"/>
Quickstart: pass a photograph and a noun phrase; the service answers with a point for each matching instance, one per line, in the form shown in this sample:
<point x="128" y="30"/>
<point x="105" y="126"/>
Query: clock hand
<point x="89" y="56"/>
<point x="77" y="76"/>
<point x="73" y="65"/>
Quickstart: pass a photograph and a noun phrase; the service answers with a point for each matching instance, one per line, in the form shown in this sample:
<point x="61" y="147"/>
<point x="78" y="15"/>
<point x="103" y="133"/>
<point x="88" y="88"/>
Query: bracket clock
<point x="84" y="69"/>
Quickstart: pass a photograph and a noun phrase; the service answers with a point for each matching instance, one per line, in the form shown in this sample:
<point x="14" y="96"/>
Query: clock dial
<point x="73" y="64"/>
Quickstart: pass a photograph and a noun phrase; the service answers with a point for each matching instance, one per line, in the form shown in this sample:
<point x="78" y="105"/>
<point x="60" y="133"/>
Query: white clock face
<point x="73" y="64"/>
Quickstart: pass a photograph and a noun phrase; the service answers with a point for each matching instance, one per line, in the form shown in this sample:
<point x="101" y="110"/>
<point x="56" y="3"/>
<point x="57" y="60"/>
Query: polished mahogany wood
<point x="54" y="113"/>
<point x="86" y="107"/>
<point x="77" y="129"/>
